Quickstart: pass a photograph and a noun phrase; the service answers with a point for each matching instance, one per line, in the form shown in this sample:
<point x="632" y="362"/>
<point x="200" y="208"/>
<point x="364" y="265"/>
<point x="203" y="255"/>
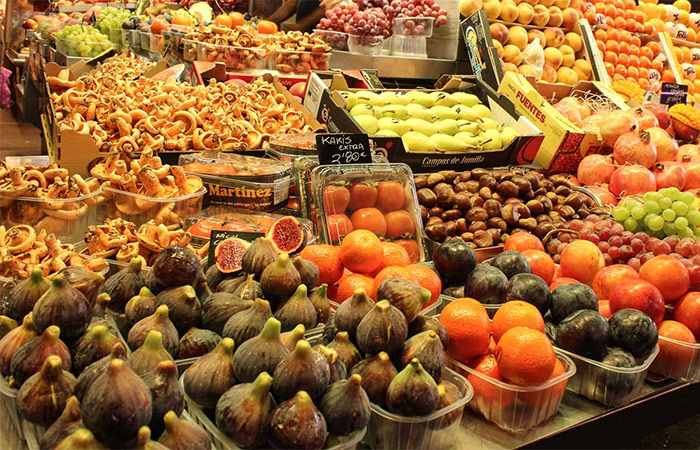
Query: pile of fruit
<point x="81" y="40"/>
<point x="675" y="19"/>
<point x="558" y="14"/>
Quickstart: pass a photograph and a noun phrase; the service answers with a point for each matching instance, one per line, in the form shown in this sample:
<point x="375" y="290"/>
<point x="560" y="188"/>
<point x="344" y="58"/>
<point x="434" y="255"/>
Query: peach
<point x="555" y="17"/>
<point x="567" y="76"/>
<point x="525" y="13"/>
<point x="537" y="34"/>
<point x="561" y="4"/>
<point x="469" y="7"/>
<point x="493" y="9"/>
<point x="512" y="54"/>
<point x="527" y="70"/>
<point x="546" y="3"/>
<point x="574" y="41"/>
<point x="549" y="74"/>
<point x="541" y="17"/>
<point x="554" y="36"/>
<point x="568" y="56"/>
<point x="499" y="32"/>
<point x="570" y="18"/>
<point x="531" y="2"/>
<point x="509" y="11"/>
<point x="553" y="57"/>
<point x="583" y="69"/>
<point x="499" y="48"/>
<point x="517" y="36"/>
<point x="510" y="67"/>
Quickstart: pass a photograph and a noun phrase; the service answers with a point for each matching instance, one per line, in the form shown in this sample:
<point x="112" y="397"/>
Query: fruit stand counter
<point x="395" y="67"/>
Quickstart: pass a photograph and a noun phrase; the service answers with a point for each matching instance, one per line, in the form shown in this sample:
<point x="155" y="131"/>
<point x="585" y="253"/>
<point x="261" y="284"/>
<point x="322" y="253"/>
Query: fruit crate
<point x="222" y="442"/>
<point x="298" y="62"/>
<point x="516" y="408"/>
<point x="603" y="383"/>
<point x="139" y="209"/>
<point x="679" y="360"/>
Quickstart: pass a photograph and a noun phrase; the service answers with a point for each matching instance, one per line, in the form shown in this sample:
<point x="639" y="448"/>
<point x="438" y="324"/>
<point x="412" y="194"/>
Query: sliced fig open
<point x="229" y="255"/>
<point x="287" y="235"/>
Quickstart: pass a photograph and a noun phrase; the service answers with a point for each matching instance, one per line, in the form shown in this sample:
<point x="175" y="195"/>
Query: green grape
<point x="680" y="208"/>
<point x="631" y="224"/>
<point x="620" y="214"/>
<point x="669" y="229"/>
<point x="673" y="193"/>
<point x="687" y="197"/>
<point x="693" y="217"/>
<point x="637" y="212"/>
<point x="652" y="207"/>
<point x="680" y="223"/>
<point x="665" y="203"/>
<point x="685" y="232"/>
<point x="669" y="215"/>
<point x="656" y="223"/>
<point x="647" y="218"/>
<point x="652" y="196"/>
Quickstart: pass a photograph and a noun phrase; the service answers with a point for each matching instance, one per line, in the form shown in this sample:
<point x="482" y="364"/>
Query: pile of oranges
<point x="689" y="61"/>
<point x="618" y="14"/>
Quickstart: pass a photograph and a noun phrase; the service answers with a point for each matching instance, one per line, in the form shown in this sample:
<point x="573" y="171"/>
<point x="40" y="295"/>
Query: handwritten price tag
<point x="218" y="236"/>
<point x="343" y="148"/>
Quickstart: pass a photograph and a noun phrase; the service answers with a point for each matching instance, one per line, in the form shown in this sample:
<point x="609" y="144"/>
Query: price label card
<point x="343" y="148"/>
<point x="672" y="93"/>
<point x="218" y="236"/>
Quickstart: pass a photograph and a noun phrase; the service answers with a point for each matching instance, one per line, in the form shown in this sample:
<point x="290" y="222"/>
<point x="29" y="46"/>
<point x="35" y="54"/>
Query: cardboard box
<point x="564" y="144"/>
<point x="328" y="105"/>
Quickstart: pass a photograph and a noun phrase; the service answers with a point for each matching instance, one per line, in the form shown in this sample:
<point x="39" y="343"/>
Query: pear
<point x="443" y="99"/>
<point x="471" y="141"/>
<point x="446" y="143"/>
<point x="417" y="142"/>
<point x="395" y="111"/>
<point x="370" y="98"/>
<point x="368" y="123"/>
<point x="350" y="99"/>
<point x="482" y="111"/>
<point x="447" y="126"/>
<point x="489" y="124"/>
<point x="443" y="112"/>
<point x="491" y="140"/>
<point x="422" y="126"/>
<point x="420" y="112"/>
<point x="508" y="134"/>
<point x="362" y="109"/>
<point x="468" y="126"/>
<point x="465" y="99"/>
<point x="401" y="99"/>
<point x="465" y="113"/>
<point x="386" y="133"/>
<point x="397" y="126"/>
<point x="420" y="98"/>
<point x="394" y="98"/>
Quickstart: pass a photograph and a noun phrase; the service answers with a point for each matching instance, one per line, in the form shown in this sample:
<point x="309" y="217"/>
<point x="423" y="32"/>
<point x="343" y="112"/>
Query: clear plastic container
<point x="116" y="37"/>
<point x="298" y="62"/>
<point x="32" y="434"/>
<point x="8" y="404"/>
<point x="611" y="386"/>
<point x="67" y="218"/>
<point x="222" y="442"/>
<point x="336" y="39"/>
<point x="678" y="360"/>
<point x="135" y="39"/>
<point x="369" y="45"/>
<point x="82" y="49"/>
<point x="287" y="147"/>
<point x="155" y="43"/>
<point x="413" y="26"/>
<point x="190" y="50"/>
<point x="233" y="166"/>
<point x="139" y="209"/>
<point x="145" y="40"/>
<point x="511" y="407"/>
<point x="235" y="58"/>
<point x="409" y="46"/>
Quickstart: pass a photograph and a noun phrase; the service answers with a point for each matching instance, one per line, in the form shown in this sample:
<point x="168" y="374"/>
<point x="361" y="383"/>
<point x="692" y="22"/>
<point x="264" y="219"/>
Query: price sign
<point x="672" y="93"/>
<point x="344" y="148"/>
<point x="218" y="236"/>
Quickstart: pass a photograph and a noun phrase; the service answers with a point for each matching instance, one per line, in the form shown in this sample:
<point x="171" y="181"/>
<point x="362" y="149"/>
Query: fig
<point x="304" y="369"/>
<point x="80" y="439"/>
<point x="454" y="260"/>
<point x="42" y="398"/>
<point x="183" y="305"/>
<point x="196" y="343"/>
<point x="351" y="312"/>
<point x="486" y="284"/>
<point x="287" y="235"/>
<point x="248" y="323"/>
<point x="280" y="279"/>
<point x="377" y="373"/>
<point x="297" y="310"/>
<point x="210" y="376"/>
<point x="165" y="392"/>
<point x="96" y="343"/>
<point x="243" y="412"/>
<point x="30" y="356"/>
<point x="147" y="357"/>
<point x="14" y="340"/>
<point x="67" y="423"/>
<point x="345" y="406"/>
<point x="84" y="280"/>
<point x="152" y="284"/>
<point x="405" y="295"/>
<point x="427" y="348"/>
<point x="158" y="321"/>
<point x="337" y="370"/>
<point x="425" y="323"/>
<point x="322" y="305"/>
<point x="64" y="306"/>
<point x="412" y="392"/>
<point x="144" y="442"/>
<point x="214" y="277"/>
<point x="448" y="394"/>
<point x="219" y="308"/>
<point x="633" y="331"/>
<point x="297" y="423"/>
<point x="249" y="289"/>
<point x="94" y="370"/>
<point x="124" y="284"/>
<point x="116" y="405"/>
<point x="346" y="350"/>
<point x="176" y="266"/>
<point x="228" y="255"/>
<point x="183" y="435"/>
<point x="259" y="255"/>
<point x="384" y="329"/>
<point x="260" y="354"/>
<point x="101" y="316"/>
<point x="290" y="338"/>
<point x="26" y="293"/>
<point x="308" y="271"/>
<point x="7" y="324"/>
<point x="230" y="284"/>
<point x="140" y="306"/>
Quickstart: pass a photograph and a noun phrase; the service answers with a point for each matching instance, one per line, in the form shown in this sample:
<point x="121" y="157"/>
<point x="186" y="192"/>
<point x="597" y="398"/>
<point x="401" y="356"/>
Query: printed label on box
<point x="257" y="199"/>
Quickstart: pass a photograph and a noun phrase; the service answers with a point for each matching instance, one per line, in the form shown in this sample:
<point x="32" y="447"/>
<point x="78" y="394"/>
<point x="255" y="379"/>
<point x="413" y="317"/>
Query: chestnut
<point x="461" y="187"/>
<point x="522" y="183"/>
<point x="535" y="206"/>
<point x="462" y="201"/>
<point x="446" y="198"/>
<point x="587" y="201"/>
<point x="467" y="237"/>
<point x="451" y="228"/>
<point x="478" y="173"/>
<point x="543" y="228"/>
<point x="441" y="187"/>
<point x="546" y="185"/>
<point x="433" y="219"/>
<point x="451" y="214"/>
<point x="483" y="239"/>
<point x="574" y="200"/>
<point x="543" y="218"/>
<point x="534" y="179"/>
<point x="498" y="197"/>
<point x="562" y="190"/>
<point x="423" y="213"/>
<point x="426" y="197"/>
<point x="493" y="208"/>
<point x="435" y="211"/>
<point x="476" y="201"/>
<point x="476" y="215"/>
<point x="485" y="193"/>
<point x="523" y="211"/>
<point x="436" y="231"/>
<point x="512" y="201"/>
<point x="508" y="189"/>
<point x="477" y="226"/>
<point x="546" y="203"/>
<point x="566" y="211"/>
<point x="487" y="181"/>
<point x="420" y="181"/>
<point x="435" y="178"/>
<point x="530" y="223"/>
<point x="510" y="214"/>
<point x="461" y="225"/>
<point x="463" y="176"/>
<point x="448" y="175"/>
<point x="472" y="186"/>
<point x="497" y="223"/>
<point x="495" y="234"/>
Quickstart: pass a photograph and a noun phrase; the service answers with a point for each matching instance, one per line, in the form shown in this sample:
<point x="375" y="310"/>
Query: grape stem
<point x="549" y="235"/>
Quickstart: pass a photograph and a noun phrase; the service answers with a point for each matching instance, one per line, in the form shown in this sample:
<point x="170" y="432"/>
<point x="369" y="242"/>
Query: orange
<point x="674" y="356"/>
<point x="182" y="19"/>
<point x="361" y="251"/>
<point x="624" y="47"/>
<point x="427" y="278"/>
<point x="525" y="356"/>
<point x="394" y="255"/>
<point x="369" y="219"/>
<point x="516" y="313"/>
<point x="224" y="20"/>
<point x="468" y="326"/>
<point x="237" y="18"/>
<point x="687" y="312"/>
<point x="610" y="57"/>
<point x="541" y="264"/>
<point x="351" y="282"/>
<point x="327" y="259"/>
<point x="411" y="246"/>
<point x="388" y="273"/>
<point x="486" y="393"/>
<point x="267" y="27"/>
<point x="549" y="395"/>
<point x="492" y="347"/>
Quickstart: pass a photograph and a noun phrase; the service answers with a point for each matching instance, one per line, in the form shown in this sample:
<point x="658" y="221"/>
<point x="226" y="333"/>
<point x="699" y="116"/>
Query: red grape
<point x="634" y="263"/>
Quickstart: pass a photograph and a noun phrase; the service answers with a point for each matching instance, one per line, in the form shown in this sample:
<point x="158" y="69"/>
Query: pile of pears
<point x="429" y="121"/>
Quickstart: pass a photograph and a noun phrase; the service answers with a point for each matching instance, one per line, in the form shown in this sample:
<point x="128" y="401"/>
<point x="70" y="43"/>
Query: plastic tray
<point x="369" y="45"/>
<point x="288" y="147"/>
<point x="336" y="39"/>
<point x="139" y="209"/>
<point x="32" y="434"/>
<point x="145" y="40"/>
<point x="116" y="37"/>
<point x="413" y="26"/>
<point x="409" y="46"/>
<point x="611" y="386"/>
<point x="235" y="58"/>
<point x="53" y="215"/>
<point x="516" y="408"/>
<point x="681" y="361"/>
<point x="298" y="62"/>
<point x="155" y="43"/>
<point x="190" y="50"/>
<point x="71" y="48"/>
<point x="221" y="442"/>
<point x="241" y="167"/>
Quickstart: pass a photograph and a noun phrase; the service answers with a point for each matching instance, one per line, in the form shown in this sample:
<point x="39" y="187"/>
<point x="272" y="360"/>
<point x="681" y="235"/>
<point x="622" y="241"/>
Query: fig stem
<point x="271" y="329"/>
<point x="162" y="312"/>
<point x="52" y="333"/>
<point x="37" y="275"/>
<point x="52" y="368"/>
<point x="227" y="345"/>
<point x="261" y="385"/>
<point x="135" y="264"/>
<point x="28" y="321"/>
<point x="302" y="349"/>
<point x="145" y="292"/>
<point x="154" y="339"/>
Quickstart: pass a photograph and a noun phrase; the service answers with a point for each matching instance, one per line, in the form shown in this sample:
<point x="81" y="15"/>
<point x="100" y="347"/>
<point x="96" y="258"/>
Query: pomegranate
<point x="635" y="147"/>
<point x="603" y="194"/>
<point x="646" y="119"/>
<point x="595" y="169"/>
<point x="692" y="174"/>
<point x="581" y="106"/>
<point x="661" y="114"/>
<point x="570" y="112"/>
<point x="615" y="124"/>
<point x="688" y="153"/>
<point x="666" y="146"/>
<point x="592" y="124"/>
<point x="669" y="174"/>
<point x="630" y="180"/>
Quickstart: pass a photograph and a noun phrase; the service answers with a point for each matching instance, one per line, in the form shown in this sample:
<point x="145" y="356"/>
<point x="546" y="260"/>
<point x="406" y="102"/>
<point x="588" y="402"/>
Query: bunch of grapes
<point x="111" y="19"/>
<point x="337" y="18"/>
<point x="83" y="41"/>
<point x="413" y="8"/>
